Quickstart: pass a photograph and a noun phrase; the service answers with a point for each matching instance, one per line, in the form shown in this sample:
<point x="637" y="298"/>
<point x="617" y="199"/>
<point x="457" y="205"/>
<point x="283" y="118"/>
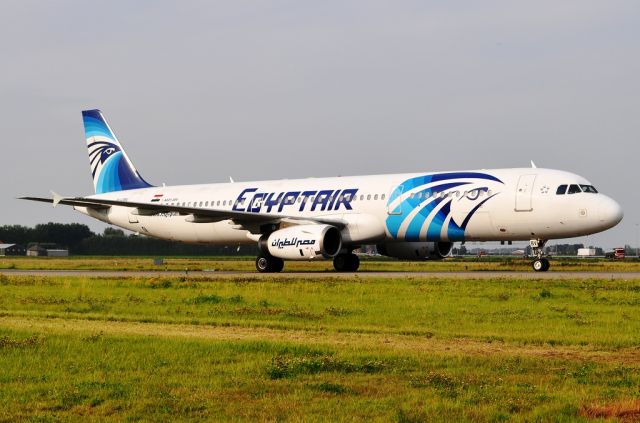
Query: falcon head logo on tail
<point x="111" y="169"/>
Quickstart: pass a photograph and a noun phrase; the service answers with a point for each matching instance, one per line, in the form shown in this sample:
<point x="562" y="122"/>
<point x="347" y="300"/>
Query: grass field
<point x="328" y="348"/>
<point x="367" y="264"/>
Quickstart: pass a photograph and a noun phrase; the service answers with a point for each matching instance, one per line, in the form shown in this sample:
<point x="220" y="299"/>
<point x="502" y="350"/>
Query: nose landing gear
<point x="540" y="264"/>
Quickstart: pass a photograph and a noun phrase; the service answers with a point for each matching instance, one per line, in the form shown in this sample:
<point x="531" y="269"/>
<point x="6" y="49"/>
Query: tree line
<point x="80" y="240"/>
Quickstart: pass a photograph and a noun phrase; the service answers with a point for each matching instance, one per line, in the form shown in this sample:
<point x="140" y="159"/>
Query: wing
<point x="249" y="221"/>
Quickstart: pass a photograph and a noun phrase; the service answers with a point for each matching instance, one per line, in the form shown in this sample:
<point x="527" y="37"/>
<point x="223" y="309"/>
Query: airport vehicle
<point x="616" y="254"/>
<point x="408" y="216"/>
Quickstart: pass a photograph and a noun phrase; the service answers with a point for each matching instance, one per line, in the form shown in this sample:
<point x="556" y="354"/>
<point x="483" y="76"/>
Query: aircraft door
<point x="394" y="206"/>
<point x="524" y="192"/>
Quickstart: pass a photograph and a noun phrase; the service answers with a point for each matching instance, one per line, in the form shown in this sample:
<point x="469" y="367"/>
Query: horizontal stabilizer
<point x="56" y="198"/>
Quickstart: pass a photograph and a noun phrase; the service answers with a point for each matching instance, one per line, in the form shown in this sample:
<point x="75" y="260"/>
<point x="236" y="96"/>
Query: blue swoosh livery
<point x="423" y="214"/>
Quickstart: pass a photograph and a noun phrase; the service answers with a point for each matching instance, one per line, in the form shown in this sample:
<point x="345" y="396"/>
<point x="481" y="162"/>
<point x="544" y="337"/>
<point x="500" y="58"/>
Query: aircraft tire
<point x="340" y="262"/>
<point x="354" y="262"/>
<point x="278" y="264"/>
<point x="346" y="262"/>
<point x="541" y="265"/>
<point x="269" y="264"/>
<point x="546" y="264"/>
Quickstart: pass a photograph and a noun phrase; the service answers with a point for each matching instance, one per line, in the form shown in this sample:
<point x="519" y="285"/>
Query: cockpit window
<point x="574" y="189"/>
<point x="561" y="190"/>
<point x="589" y="188"/>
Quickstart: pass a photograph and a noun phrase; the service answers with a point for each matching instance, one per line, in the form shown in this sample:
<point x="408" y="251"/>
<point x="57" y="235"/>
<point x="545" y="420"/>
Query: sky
<point x="198" y="91"/>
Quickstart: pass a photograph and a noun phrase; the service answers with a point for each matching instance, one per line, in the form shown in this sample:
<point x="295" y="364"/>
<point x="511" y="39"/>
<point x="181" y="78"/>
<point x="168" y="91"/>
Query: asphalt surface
<point x="289" y="275"/>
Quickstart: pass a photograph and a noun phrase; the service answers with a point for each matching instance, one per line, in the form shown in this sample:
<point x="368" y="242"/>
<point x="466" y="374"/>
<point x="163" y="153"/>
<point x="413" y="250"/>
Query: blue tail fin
<point x="111" y="169"/>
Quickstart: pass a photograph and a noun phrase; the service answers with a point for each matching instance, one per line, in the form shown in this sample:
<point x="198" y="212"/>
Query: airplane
<point x="413" y="216"/>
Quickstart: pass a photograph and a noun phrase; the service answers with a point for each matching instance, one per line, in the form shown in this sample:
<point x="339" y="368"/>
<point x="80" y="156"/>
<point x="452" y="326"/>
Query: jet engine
<point x="303" y="242"/>
<point x="416" y="250"/>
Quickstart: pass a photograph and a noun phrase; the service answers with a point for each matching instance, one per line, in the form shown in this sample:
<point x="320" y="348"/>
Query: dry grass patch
<point x="625" y="410"/>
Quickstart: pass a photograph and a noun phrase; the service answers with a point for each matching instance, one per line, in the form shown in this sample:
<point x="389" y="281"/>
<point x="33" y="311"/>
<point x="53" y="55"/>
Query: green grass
<point x="238" y="348"/>
<point x="367" y="264"/>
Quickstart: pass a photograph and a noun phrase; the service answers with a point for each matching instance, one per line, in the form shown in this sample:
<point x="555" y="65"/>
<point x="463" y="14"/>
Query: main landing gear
<point x="346" y="262"/>
<point x="540" y="264"/>
<point x="266" y="263"/>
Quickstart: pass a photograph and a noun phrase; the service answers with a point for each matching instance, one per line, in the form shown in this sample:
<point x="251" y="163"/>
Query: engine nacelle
<point x="416" y="250"/>
<point x="303" y="242"/>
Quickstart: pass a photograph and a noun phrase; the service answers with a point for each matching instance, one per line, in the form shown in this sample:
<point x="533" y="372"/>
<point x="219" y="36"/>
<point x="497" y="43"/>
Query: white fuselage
<point x="482" y="205"/>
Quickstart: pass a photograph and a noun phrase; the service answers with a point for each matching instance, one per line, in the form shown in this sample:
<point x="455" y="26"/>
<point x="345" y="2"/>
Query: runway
<point x="316" y="275"/>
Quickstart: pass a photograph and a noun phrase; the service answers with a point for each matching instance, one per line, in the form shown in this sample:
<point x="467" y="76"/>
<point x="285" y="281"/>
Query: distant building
<point x="58" y="253"/>
<point x="36" y="251"/>
<point x="12" y="250"/>
<point x="586" y="252"/>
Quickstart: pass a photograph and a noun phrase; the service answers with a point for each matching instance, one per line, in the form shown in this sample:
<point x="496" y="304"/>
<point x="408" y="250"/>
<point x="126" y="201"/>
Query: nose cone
<point x="609" y="212"/>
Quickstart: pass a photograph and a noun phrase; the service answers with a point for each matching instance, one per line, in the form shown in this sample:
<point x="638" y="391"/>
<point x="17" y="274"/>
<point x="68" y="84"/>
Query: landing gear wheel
<point x="541" y="265"/>
<point x="546" y="264"/>
<point x="278" y="264"/>
<point x="354" y="263"/>
<point x="346" y="262"/>
<point x="340" y="263"/>
<point x="269" y="264"/>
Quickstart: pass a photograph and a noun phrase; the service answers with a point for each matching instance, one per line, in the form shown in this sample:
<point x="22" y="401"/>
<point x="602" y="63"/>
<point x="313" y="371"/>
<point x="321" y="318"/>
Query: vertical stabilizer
<point x="111" y="169"/>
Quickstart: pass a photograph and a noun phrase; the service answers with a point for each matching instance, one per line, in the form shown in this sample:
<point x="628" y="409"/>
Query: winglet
<point x="533" y="165"/>
<point x="56" y="198"/>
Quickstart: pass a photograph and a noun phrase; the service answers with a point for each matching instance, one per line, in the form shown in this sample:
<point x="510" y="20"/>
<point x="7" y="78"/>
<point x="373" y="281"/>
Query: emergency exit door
<point x="524" y="193"/>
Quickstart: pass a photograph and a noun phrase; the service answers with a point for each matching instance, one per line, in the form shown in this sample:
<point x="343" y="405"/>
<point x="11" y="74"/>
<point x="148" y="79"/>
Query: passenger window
<point x="218" y="203"/>
<point x="368" y="196"/>
<point x="382" y="197"/>
<point x="224" y="203"/>
<point x="574" y="189"/>
<point x="375" y="197"/>
<point x="361" y="197"/>
<point x="561" y="190"/>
